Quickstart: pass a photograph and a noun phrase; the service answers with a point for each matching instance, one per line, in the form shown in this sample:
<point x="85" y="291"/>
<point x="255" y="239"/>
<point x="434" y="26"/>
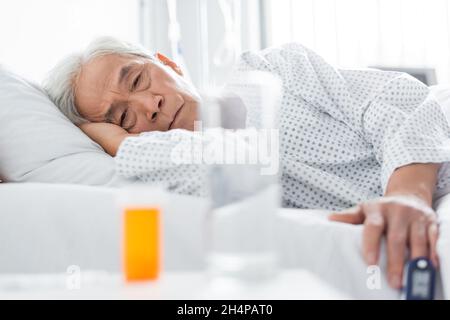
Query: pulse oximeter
<point x="419" y="280"/>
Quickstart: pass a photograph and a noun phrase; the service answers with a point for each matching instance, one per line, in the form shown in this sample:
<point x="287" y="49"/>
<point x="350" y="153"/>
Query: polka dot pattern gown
<point x="342" y="133"/>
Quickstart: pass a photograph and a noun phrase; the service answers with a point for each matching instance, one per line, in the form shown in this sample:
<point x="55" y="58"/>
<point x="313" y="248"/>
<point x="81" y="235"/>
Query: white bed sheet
<point x="48" y="227"/>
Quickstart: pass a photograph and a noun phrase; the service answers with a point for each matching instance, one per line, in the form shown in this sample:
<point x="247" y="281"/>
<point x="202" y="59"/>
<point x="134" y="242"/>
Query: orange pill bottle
<point x="141" y="209"/>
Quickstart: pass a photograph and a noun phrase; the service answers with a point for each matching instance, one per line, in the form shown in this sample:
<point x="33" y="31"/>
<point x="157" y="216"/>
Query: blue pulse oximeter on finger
<point x="419" y="280"/>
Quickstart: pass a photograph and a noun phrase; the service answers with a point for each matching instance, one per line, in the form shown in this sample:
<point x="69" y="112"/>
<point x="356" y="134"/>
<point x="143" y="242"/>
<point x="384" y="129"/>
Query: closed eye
<point x="136" y="82"/>
<point x="123" y="117"/>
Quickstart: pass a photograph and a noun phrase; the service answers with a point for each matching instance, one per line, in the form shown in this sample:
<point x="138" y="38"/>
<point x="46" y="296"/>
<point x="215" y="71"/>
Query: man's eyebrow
<point x="124" y="72"/>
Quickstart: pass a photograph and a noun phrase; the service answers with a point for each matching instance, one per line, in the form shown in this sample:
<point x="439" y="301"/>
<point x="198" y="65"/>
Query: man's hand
<point x="108" y="135"/>
<point x="404" y="215"/>
<point x="407" y="222"/>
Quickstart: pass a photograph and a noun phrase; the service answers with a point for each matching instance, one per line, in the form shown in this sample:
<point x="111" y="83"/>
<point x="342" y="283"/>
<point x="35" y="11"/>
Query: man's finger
<point x="433" y="234"/>
<point x="418" y="239"/>
<point x="354" y="215"/>
<point x="396" y="248"/>
<point x="374" y="226"/>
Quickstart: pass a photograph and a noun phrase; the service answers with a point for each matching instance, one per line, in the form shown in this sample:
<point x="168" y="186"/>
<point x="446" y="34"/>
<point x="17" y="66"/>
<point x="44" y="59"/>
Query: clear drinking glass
<point x="244" y="188"/>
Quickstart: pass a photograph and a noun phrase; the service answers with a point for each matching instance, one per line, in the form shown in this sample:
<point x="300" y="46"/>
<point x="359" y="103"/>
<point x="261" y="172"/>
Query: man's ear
<point x="166" y="61"/>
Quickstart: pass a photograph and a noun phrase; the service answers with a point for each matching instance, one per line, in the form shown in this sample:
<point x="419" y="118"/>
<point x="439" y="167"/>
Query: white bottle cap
<point x="141" y="195"/>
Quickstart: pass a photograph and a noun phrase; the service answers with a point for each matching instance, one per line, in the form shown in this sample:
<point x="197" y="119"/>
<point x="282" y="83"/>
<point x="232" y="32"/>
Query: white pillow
<point x="38" y="143"/>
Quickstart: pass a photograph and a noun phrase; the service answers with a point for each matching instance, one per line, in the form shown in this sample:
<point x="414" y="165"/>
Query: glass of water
<point x="243" y="184"/>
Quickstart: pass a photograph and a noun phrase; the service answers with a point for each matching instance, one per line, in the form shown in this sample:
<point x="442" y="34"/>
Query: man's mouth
<point x="176" y="116"/>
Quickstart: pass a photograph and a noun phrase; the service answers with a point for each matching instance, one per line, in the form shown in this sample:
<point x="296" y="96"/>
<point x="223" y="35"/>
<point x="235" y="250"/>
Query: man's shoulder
<point x="266" y="58"/>
<point x="286" y="47"/>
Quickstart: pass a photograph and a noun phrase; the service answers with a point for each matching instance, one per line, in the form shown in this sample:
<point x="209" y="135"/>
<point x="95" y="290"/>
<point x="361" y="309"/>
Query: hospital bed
<point x="44" y="228"/>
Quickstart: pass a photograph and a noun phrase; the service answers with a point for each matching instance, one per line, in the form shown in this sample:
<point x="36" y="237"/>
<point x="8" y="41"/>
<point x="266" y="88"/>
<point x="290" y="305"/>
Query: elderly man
<point x="367" y="140"/>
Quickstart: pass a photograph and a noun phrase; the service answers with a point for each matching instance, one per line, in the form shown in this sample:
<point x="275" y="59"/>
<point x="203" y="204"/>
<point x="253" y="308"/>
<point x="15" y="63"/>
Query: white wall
<point x="402" y="33"/>
<point x="34" y="34"/>
<point x="199" y="30"/>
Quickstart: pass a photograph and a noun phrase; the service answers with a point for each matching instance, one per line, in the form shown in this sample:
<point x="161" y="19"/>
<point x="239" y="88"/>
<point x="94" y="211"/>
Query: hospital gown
<point x="342" y="133"/>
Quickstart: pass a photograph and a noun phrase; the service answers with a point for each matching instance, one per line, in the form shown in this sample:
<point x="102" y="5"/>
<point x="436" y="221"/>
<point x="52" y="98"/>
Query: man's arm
<point x="418" y="179"/>
<point x="108" y="135"/>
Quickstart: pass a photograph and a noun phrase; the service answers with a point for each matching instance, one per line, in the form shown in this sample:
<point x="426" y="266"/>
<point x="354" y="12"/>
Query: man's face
<point x="135" y="93"/>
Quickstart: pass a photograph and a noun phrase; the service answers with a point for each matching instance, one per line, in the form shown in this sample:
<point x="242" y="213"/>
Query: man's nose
<point x="153" y="107"/>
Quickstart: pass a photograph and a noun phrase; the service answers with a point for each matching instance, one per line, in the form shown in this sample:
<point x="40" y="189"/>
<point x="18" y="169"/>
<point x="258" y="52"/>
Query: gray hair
<point x="60" y="83"/>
